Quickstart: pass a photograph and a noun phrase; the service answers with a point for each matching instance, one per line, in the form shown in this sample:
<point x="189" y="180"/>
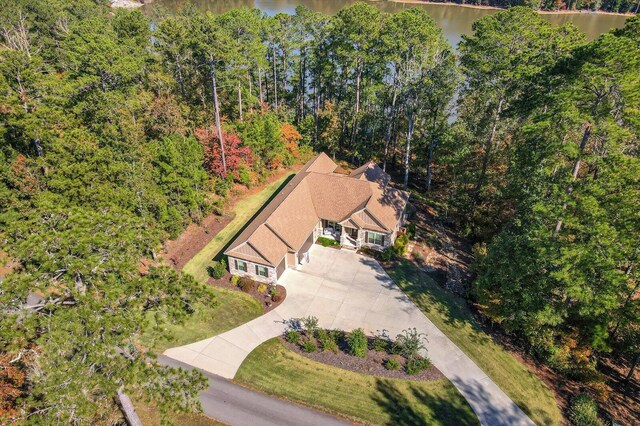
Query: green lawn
<point x="275" y="369"/>
<point x="243" y="211"/>
<point x="233" y="307"/>
<point x="451" y="315"/>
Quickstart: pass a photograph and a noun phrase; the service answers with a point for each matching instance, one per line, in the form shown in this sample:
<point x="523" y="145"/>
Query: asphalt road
<point x="236" y="405"/>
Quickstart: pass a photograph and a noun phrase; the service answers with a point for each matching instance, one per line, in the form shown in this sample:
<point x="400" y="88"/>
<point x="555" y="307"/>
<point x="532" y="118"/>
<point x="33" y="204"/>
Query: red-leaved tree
<point x="236" y="154"/>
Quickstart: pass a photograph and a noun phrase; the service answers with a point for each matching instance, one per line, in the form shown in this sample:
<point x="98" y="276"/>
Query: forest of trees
<point x="613" y="6"/>
<point x="117" y="133"/>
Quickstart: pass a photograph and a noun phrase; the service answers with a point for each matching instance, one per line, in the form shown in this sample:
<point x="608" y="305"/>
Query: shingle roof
<point x="336" y="197"/>
<point x="371" y="172"/>
<point x="316" y="192"/>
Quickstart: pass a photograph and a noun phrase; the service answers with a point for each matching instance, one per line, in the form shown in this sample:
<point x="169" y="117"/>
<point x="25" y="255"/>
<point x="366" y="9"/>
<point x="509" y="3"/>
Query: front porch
<point x="347" y="236"/>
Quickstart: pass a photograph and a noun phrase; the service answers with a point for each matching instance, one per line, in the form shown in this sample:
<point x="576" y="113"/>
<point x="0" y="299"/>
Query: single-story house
<point x="360" y="209"/>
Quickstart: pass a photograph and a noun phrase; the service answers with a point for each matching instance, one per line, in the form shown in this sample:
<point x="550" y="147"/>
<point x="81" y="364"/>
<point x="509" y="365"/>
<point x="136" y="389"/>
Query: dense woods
<point x="614" y="6"/>
<point x="116" y="134"/>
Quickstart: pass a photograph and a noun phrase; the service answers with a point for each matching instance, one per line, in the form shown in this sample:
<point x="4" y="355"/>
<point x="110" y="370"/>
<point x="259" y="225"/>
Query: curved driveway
<point x="346" y="291"/>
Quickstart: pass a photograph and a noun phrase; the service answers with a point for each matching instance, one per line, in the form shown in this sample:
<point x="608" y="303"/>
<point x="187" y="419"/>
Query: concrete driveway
<point x="347" y="291"/>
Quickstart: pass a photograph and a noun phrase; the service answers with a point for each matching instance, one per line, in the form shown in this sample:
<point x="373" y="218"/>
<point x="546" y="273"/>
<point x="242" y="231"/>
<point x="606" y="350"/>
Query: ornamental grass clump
<point x="380" y="344"/>
<point x="328" y="340"/>
<point x="292" y="336"/>
<point x="417" y="365"/>
<point x="392" y="364"/>
<point x="584" y="412"/>
<point x="409" y="343"/>
<point x="308" y="346"/>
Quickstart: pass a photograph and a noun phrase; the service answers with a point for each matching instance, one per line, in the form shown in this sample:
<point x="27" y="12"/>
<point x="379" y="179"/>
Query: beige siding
<point x="251" y="271"/>
<point x="291" y="260"/>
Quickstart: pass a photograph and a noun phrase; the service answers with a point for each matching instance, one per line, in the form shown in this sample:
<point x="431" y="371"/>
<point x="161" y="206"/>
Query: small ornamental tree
<point x="290" y="136"/>
<point x="236" y="154"/>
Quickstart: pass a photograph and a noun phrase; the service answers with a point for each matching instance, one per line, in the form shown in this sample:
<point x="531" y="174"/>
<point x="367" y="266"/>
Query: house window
<point x="241" y="265"/>
<point x="375" y="238"/>
<point x="262" y="271"/>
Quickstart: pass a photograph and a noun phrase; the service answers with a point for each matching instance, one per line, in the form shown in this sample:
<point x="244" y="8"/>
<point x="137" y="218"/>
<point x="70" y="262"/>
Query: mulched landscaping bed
<point x="263" y="298"/>
<point x="373" y="364"/>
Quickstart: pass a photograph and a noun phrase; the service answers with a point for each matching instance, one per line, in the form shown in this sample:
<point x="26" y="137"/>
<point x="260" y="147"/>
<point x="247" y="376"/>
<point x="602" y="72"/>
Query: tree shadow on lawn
<point x="220" y="255"/>
<point x="421" y="288"/>
<point x="403" y="412"/>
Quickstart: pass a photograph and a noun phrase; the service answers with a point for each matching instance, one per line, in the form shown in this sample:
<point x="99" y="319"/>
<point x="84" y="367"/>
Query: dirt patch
<point x="7" y="264"/>
<point x="373" y="364"/>
<point x="176" y="253"/>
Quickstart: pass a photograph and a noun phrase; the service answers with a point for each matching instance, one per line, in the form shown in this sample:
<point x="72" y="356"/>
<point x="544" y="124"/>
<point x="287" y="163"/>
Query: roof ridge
<point x="278" y="235"/>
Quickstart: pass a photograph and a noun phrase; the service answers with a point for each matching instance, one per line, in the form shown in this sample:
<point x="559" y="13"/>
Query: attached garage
<point x="281" y="267"/>
<point x="302" y="253"/>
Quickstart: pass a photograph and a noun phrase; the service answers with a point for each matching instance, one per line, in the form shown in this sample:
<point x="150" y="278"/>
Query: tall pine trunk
<point x="487" y="152"/>
<point x="356" y="107"/>
<point x="179" y="75"/>
<point x="240" y="102"/>
<point x="216" y="108"/>
<point x="316" y="107"/>
<point x="275" y="81"/>
<point x="574" y="173"/>
<point x="392" y="114"/>
<point x="407" y="151"/>
<point x="260" y="93"/>
<point x="432" y="147"/>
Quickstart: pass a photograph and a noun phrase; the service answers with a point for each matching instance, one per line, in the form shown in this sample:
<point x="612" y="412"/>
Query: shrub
<point x="418" y="256"/>
<point x="584" y="412"/>
<point x="262" y="288"/>
<point x="245" y="176"/>
<point x="310" y="324"/>
<point x="416" y="365"/>
<point x="400" y="244"/>
<point x="222" y="186"/>
<point x="409" y="343"/>
<point x="327" y="340"/>
<point x="388" y="254"/>
<point x="357" y="343"/>
<point x="235" y="279"/>
<point x="247" y="285"/>
<point x="217" y="269"/>
<point x="292" y="336"/>
<point x="276" y="295"/>
<point x="380" y="344"/>
<point x="308" y="346"/>
<point x="411" y="230"/>
<point x="327" y="242"/>
<point x="391" y="364"/>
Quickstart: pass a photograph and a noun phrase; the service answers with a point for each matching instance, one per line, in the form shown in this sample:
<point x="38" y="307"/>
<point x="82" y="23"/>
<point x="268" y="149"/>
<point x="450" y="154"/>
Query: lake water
<point x="454" y="20"/>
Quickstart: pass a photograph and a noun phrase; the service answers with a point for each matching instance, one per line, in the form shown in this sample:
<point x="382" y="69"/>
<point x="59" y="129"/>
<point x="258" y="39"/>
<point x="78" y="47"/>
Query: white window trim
<point x="244" y="263"/>
<point x="375" y="235"/>
<point x="266" y="271"/>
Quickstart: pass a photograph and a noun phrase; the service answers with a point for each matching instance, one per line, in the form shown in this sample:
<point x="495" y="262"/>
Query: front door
<point x="353" y="233"/>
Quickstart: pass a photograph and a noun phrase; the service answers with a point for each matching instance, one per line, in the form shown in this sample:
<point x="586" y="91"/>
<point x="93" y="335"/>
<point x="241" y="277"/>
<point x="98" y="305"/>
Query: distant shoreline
<point x="542" y="12"/>
<point x="134" y="4"/>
